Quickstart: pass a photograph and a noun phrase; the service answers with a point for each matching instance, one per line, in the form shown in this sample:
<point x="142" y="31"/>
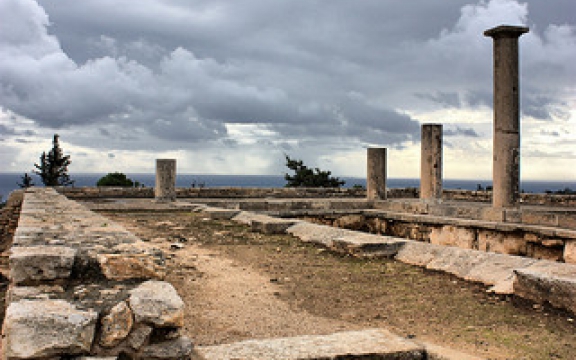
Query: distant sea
<point x="9" y="182"/>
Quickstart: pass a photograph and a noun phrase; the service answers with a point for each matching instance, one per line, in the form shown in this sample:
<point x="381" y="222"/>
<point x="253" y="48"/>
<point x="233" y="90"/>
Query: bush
<point x="116" y="179"/>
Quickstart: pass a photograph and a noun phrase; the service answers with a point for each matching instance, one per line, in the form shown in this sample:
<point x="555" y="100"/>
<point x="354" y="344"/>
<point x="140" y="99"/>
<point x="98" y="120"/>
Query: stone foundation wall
<point x="512" y="239"/>
<point x="283" y="193"/>
<point x="81" y="285"/>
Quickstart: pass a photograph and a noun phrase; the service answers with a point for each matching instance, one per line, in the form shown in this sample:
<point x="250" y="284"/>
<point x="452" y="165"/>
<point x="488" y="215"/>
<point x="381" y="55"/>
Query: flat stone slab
<point x="547" y="281"/>
<point x="221" y="214"/>
<point x="360" y="244"/>
<point x="318" y="234"/>
<point x="367" y="344"/>
<point x="40" y="263"/>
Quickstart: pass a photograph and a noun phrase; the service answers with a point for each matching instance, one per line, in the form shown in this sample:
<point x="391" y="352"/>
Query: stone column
<point x="506" y="153"/>
<point x="165" y="189"/>
<point x="376" y="174"/>
<point x="431" y="163"/>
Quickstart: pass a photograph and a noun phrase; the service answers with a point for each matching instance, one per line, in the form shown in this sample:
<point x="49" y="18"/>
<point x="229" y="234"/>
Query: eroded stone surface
<point x="116" y="325"/>
<point x="158" y="303"/>
<point x="175" y="349"/>
<point x="40" y="263"/>
<point x="43" y="328"/>
<point x="128" y="266"/>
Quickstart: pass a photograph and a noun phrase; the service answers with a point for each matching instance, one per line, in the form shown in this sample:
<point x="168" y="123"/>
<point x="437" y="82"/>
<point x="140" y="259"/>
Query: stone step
<point x="365" y="344"/>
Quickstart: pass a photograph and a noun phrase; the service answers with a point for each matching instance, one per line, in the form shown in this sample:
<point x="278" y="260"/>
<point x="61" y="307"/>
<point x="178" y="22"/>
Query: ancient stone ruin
<point x="83" y="286"/>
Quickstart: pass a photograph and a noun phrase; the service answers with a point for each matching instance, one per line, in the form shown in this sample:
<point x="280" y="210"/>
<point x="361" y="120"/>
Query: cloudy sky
<point x="229" y="86"/>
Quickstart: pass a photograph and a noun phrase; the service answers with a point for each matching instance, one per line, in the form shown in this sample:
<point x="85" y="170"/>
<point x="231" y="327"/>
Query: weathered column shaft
<point x="431" y="162"/>
<point x="506" y="156"/>
<point x="165" y="189"/>
<point x="376" y="174"/>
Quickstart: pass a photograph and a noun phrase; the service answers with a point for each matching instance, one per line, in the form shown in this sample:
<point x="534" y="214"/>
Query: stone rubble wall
<point x="81" y="285"/>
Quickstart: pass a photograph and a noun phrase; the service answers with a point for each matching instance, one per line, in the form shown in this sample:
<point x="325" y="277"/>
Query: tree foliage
<point x="26" y="181"/>
<point x="116" y="179"/>
<point x="53" y="167"/>
<point x="307" y="177"/>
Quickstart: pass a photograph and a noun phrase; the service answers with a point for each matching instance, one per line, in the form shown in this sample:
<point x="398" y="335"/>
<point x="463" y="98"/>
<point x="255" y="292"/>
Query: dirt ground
<point x="239" y="285"/>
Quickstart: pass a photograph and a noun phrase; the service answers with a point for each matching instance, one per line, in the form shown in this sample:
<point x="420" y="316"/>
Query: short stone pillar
<point x="165" y="189"/>
<point x="376" y="174"/>
<point x="506" y="156"/>
<point x="431" y="163"/>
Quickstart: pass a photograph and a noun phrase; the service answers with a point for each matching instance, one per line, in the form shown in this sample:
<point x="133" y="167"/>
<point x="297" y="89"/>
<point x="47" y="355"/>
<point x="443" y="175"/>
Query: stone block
<point x="493" y="214"/>
<point x="457" y="261"/>
<point x="221" y="214"/>
<point x="369" y="344"/>
<point x="570" y="252"/>
<point x="547" y="281"/>
<point x="497" y="268"/>
<point x="539" y="218"/>
<point x="40" y="263"/>
<point x="176" y="349"/>
<point x="418" y="253"/>
<point x="271" y="225"/>
<point x="351" y="222"/>
<point x="157" y="303"/>
<point x="567" y="220"/>
<point x="502" y="242"/>
<point x="367" y="245"/>
<point x="128" y="266"/>
<point x="116" y="325"/>
<point x="318" y="234"/>
<point x="45" y="328"/>
<point x="449" y="235"/>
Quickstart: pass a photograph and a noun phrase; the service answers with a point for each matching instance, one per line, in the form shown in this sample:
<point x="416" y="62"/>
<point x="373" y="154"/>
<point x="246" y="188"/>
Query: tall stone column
<point x="506" y="153"/>
<point x="431" y="163"/>
<point x="376" y="174"/>
<point x="165" y="189"/>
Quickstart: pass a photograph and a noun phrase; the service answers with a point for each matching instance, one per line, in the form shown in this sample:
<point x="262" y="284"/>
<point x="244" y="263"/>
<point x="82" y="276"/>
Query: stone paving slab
<point x="367" y="344"/>
<point x="547" y="281"/>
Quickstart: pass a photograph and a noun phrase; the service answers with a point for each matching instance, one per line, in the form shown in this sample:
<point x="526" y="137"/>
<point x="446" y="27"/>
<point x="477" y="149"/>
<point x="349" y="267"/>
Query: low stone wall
<point x="536" y="242"/>
<point x="283" y="193"/>
<point x="81" y="285"/>
<point x="223" y="192"/>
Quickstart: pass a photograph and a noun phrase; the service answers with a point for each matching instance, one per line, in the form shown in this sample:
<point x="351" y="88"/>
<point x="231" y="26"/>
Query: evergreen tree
<point x="26" y="181"/>
<point x="53" y="168"/>
<point x="306" y="177"/>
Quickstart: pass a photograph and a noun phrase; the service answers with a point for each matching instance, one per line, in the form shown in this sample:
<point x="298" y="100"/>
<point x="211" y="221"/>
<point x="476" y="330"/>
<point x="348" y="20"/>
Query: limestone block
<point x="318" y="234"/>
<point x="570" y="252"/>
<point x="548" y="281"/>
<point x="17" y="293"/>
<point x="43" y="328"/>
<point x="497" y="268"/>
<point x="221" y="214"/>
<point x="457" y="261"/>
<point x="501" y="242"/>
<point x="128" y="266"/>
<point x="116" y="325"/>
<point x="40" y="263"/>
<point x="351" y="222"/>
<point x="368" y="245"/>
<point x="418" y="253"/>
<point x="369" y="344"/>
<point x="139" y="335"/>
<point x="453" y="236"/>
<point x="180" y="348"/>
<point x="157" y="303"/>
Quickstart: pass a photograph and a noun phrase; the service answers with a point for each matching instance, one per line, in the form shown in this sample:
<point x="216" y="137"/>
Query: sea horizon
<point x="9" y="182"/>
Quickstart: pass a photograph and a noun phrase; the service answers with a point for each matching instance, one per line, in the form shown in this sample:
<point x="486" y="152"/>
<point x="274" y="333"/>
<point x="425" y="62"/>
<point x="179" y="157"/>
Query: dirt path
<point x="251" y="286"/>
<point x="237" y="302"/>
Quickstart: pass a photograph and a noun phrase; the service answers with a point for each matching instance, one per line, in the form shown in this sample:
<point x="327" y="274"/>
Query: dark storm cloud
<point x="178" y="71"/>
